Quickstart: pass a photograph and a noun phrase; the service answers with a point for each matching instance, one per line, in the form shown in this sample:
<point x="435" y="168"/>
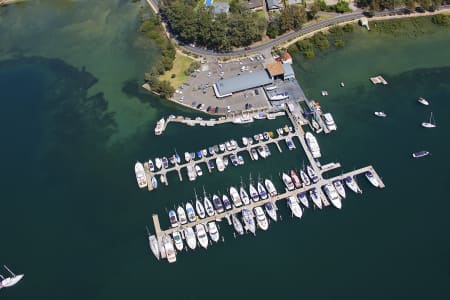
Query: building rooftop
<point x="225" y="87"/>
<point x="252" y="4"/>
<point x="275" y="69"/>
<point x="273" y="4"/>
<point x="288" y="70"/>
<point x="220" y="7"/>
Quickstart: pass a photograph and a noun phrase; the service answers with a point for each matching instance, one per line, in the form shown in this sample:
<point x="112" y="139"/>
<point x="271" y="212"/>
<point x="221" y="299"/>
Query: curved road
<point x="293" y="34"/>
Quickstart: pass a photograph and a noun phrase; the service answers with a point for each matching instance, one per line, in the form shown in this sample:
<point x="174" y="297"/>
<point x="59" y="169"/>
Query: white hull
<point x="313" y="145"/>
<point x="220" y="164"/>
<point x="170" y="251"/>
<point x="237" y="225"/>
<point x="312" y="174"/>
<point x="244" y="196"/>
<point x="153" y="242"/>
<point x="372" y="179"/>
<point x="192" y="217"/>
<point x="270" y="187"/>
<point x="200" y="209"/>
<point x="261" y="219"/>
<point x="287" y="180"/>
<point x="271" y="210"/>
<point x="351" y="184"/>
<point x="262" y="191"/>
<point x="253" y="193"/>
<point x="295" y="207"/>
<point x="208" y="207"/>
<point x="303" y="199"/>
<point x="333" y="195"/>
<point x="315" y="198"/>
<point x="201" y="235"/>
<point x="339" y="188"/>
<point x="191" y="241"/>
<point x="235" y="197"/>
<point x="10" y="281"/>
<point x="140" y="175"/>
<point x="181" y="215"/>
<point x="213" y="232"/>
<point x="178" y="240"/>
<point x="247" y="217"/>
<point x="304" y="178"/>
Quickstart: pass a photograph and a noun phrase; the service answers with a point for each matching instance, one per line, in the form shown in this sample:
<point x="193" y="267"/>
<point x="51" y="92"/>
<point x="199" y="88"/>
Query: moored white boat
<point x="158" y="163"/>
<point x="153" y="242"/>
<point x="287" y="180"/>
<point x="249" y="222"/>
<point x="168" y="247"/>
<point x="151" y="166"/>
<point x="181" y="215"/>
<point x="154" y="182"/>
<point x="294" y="207"/>
<point x="192" y="217"/>
<point x="208" y="206"/>
<point x="187" y="156"/>
<point x="220" y="164"/>
<point x="329" y="121"/>
<point x="352" y="184"/>
<point x="431" y="123"/>
<point x="262" y="191"/>
<point x="213" y="231"/>
<point x="244" y="196"/>
<point x="160" y="126"/>
<point x="339" y="188"/>
<point x="262" y="152"/>
<point x="333" y="195"/>
<point x="140" y="175"/>
<point x="178" y="241"/>
<point x="226" y="202"/>
<point x="290" y="143"/>
<point x="303" y="199"/>
<point x="420" y="154"/>
<point x="253" y="192"/>
<point x="198" y="170"/>
<point x="191" y="241"/>
<point x="217" y="203"/>
<point x="380" y="114"/>
<point x="304" y="178"/>
<point x="237" y="225"/>
<point x="173" y="218"/>
<point x="235" y="197"/>
<point x="254" y="154"/>
<point x="271" y="210"/>
<point x="201" y="235"/>
<point x="369" y="175"/>
<point x="270" y="187"/>
<point x="315" y="198"/>
<point x="313" y="145"/>
<point x="200" y="209"/>
<point x="261" y="219"/>
<point x="312" y="174"/>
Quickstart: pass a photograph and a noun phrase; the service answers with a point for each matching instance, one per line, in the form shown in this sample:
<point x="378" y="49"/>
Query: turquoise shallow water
<point x="77" y="219"/>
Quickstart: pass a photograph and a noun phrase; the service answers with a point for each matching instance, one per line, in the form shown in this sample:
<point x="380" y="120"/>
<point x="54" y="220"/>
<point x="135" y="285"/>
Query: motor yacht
<point x="333" y="195"/>
<point x="294" y="207"/>
<point x="201" y="235"/>
<point x="213" y="232"/>
<point x="261" y="219"/>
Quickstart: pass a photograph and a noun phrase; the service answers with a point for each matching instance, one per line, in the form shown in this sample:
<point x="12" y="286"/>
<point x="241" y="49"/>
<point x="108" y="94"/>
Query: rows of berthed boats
<point x="247" y="219"/>
<point x="221" y="162"/>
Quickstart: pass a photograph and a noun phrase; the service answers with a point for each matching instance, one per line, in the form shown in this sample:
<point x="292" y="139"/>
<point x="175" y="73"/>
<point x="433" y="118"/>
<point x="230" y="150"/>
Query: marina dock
<point x="160" y="233"/>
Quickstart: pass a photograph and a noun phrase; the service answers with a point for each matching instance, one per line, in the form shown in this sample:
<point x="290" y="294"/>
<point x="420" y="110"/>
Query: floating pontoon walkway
<point x="318" y="185"/>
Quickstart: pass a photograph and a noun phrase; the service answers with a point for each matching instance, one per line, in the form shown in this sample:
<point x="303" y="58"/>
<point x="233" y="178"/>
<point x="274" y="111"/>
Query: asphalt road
<point x="281" y="39"/>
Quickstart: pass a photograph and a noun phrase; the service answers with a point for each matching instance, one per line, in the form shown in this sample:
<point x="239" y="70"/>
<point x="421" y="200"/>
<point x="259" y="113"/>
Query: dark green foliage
<point x="339" y="43"/>
<point x="348" y="27"/>
<point x="192" y="67"/>
<point x="200" y="26"/>
<point x="320" y="40"/>
<point x="441" y="19"/>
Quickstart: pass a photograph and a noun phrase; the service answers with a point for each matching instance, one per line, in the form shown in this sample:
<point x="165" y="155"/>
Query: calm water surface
<point x="74" y="219"/>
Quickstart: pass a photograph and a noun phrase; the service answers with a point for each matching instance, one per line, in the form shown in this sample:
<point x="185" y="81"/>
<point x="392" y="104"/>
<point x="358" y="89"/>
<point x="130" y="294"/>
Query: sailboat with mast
<point x="11" y="280"/>
<point x="431" y="123"/>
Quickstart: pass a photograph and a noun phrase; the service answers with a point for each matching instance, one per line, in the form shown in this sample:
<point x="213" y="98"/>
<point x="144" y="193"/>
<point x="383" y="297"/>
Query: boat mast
<point x="14" y="275"/>
<point x="148" y="231"/>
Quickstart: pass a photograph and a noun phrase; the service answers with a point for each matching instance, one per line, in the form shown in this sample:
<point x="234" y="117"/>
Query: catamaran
<point x="201" y="235"/>
<point x="213" y="232"/>
<point x="270" y="187"/>
<point x="217" y="204"/>
<point x="262" y="191"/>
<point x="253" y="193"/>
<point x="271" y="210"/>
<point x="181" y="215"/>
<point x="178" y="240"/>
<point x="235" y="197"/>
<point x="191" y="241"/>
<point x="339" y="188"/>
<point x="303" y="199"/>
<point x="352" y="184"/>
<point x="333" y="195"/>
<point x="295" y="207"/>
<point x="190" y="212"/>
<point x="287" y="182"/>
<point x="261" y="219"/>
<point x="237" y="225"/>
<point x="226" y="202"/>
<point x="244" y="196"/>
<point x="140" y="175"/>
<point x="249" y="222"/>
<point x="313" y="145"/>
<point x="315" y="198"/>
<point x="372" y="179"/>
<point x="431" y="123"/>
<point x="312" y="174"/>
